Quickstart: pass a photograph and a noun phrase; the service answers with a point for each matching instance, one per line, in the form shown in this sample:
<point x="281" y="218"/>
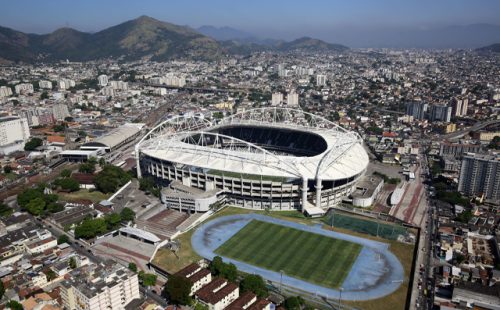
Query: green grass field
<point x="311" y="257"/>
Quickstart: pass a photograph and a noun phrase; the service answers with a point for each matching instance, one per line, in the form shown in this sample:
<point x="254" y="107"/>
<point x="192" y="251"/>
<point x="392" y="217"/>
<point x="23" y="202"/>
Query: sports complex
<point x="303" y="258"/>
<point x="268" y="158"/>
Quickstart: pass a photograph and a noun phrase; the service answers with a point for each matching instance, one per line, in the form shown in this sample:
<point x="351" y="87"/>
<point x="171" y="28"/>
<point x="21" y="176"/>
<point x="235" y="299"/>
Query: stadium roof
<point x="117" y="135"/>
<point x="344" y="157"/>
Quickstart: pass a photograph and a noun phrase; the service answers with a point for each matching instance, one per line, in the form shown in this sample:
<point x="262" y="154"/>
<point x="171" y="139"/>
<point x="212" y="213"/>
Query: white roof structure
<point x="344" y="156"/>
<point x="118" y="135"/>
<point x="140" y="233"/>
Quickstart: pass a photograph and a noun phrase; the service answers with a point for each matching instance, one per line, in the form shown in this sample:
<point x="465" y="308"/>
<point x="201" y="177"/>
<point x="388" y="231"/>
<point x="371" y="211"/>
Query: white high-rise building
<point x="24" y="88"/>
<point x="119" y="85"/>
<point x="45" y="84"/>
<point x="64" y="84"/>
<point x="5" y="91"/>
<point x="292" y="99"/>
<point x="14" y="132"/>
<point x="60" y="111"/>
<point x="459" y="106"/>
<point x="103" y="80"/>
<point x="320" y="80"/>
<point x="480" y="175"/>
<point x="102" y="290"/>
<point x="276" y="98"/>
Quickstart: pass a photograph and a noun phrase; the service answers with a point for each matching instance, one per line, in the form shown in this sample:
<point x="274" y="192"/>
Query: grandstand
<point x="268" y="158"/>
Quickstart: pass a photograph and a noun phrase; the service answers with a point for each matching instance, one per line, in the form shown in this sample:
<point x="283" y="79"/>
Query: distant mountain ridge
<point x="493" y="48"/>
<point x="134" y="39"/>
<point x="145" y="38"/>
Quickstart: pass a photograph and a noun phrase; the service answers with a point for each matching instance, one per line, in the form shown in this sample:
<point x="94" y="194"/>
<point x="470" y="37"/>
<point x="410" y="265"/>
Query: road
<point x="477" y="126"/>
<point x="84" y="250"/>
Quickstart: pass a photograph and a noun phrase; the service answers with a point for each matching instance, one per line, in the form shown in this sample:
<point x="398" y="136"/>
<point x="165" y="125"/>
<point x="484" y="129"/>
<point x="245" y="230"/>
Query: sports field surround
<point x="315" y="258"/>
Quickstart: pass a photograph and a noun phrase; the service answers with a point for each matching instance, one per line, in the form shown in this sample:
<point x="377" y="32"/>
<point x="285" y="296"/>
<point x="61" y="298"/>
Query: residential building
<point x="14" y="132"/>
<point x="292" y="99"/>
<point x="24" y="88"/>
<point x="459" y="106"/>
<point x="440" y="113"/>
<point x="277" y="98"/>
<point x="5" y="91"/>
<point x="320" y="80"/>
<point x="416" y="109"/>
<point x="45" y="84"/>
<point x="197" y="275"/>
<point x="60" y="111"/>
<point x="480" y="175"/>
<point x="218" y="294"/>
<point x="102" y="80"/>
<point x="102" y="289"/>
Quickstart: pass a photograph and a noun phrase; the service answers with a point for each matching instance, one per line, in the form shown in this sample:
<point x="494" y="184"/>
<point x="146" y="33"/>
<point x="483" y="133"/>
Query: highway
<point x="477" y="126"/>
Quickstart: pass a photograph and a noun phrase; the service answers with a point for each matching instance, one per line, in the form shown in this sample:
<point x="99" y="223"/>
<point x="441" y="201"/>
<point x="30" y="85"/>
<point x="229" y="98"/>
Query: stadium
<point x="267" y="158"/>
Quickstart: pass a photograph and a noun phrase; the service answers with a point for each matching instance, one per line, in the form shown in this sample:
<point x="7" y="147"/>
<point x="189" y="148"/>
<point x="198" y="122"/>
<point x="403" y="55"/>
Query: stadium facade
<point x="267" y="158"/>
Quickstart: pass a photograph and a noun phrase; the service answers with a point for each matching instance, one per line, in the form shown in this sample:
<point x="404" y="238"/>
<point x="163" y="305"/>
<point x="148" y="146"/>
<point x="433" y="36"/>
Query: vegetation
<point x="72" y="263"/>
<point x="177" y="290"/>
<point x="68" y="184"/>
<point x="66" y="173"/>
<point x="5" y="210"/>
<point x="132" y="267"/>
<point x="62" y="239"/>
<point x="147" y="279"/>
<point x="14" y="305"/>
<point x="59" y="127"/>
<point x="294" y="303"/>
<point x="111" y="178"/>
<point x="32" y="144"/>
<point x="88" y="167"/>
<point x="148" y="184"/>
<point x="127" y="214"/>
<point x="465" y="216"/>
<point x="495" y="143"/>
<point x="90" y="228"/>
<point x="274" y="247"/>
<point x="2" y="290"/>
<point x="37" y="203"/>
<point x="225" y="270"/>
<point x="387" y="179"/>
<point x="254" y="283"/>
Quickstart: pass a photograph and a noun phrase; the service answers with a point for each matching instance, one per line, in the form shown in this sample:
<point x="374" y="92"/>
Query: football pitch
<point x="307" y="256"/>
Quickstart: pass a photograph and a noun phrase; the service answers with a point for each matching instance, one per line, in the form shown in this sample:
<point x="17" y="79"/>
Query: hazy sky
<point x="266" y="18"/>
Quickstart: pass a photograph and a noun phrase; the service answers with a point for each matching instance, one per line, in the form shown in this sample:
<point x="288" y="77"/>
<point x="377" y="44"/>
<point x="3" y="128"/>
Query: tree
<point x="147" y="279"/>
<point x="66" y="173"/>
<point x="111" y="178"/>
<point x="14" y="305"/>
<point x="44" y="95"/>
<point x="7" y="169"/>
<point x="127" y="215"/>
<point x="177" y="290"/>
<point x="36" y="206"/>
<point x="50" y="274"/>
<point x="113" y="220"/>
<point x="32" y="144"/>
<point x="5" y="210"/>
<point x="90" y="228"/>
<point x="294" y="303"/>
<point x="2" y="290"/>
<point x="68" y="184"/>
<point x="219" y="268"/>
<point x="62" y="239"/>
<point x="254" y="283"/>
<point x="495" y="143"/>
<point x="132" y="267"/>
<point x="87" y="167"/>
<point x="59" y="128"/>
<point x="72" y="263"/>
<point x="27" y="195"/>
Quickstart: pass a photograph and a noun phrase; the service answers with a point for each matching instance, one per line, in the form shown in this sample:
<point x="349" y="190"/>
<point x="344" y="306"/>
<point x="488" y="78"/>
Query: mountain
<point x="224" y="33"/>
<point x="310" y="45"/>
<point x="134" y="39"/>
<point x="493" y="48"/>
